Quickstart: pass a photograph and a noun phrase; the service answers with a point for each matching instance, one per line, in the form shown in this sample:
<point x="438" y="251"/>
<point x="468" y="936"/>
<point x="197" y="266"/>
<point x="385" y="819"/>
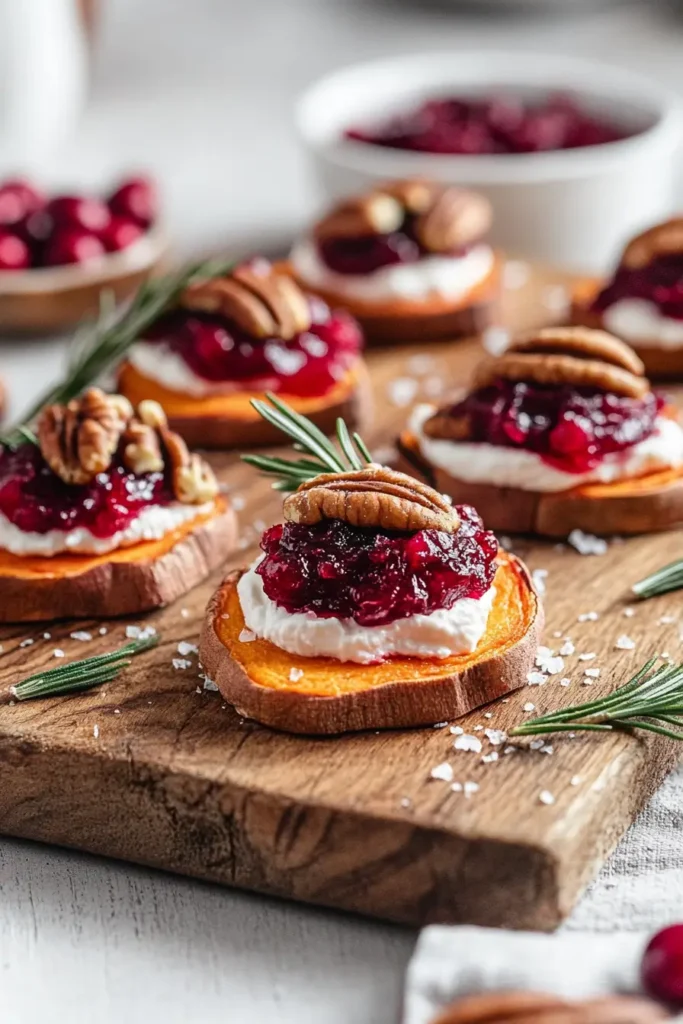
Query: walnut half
<point x="78" y="440"/>
<point x="374" y="496"/>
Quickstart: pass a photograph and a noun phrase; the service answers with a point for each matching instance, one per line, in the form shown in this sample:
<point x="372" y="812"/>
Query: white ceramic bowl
<point x="571" y="208"/>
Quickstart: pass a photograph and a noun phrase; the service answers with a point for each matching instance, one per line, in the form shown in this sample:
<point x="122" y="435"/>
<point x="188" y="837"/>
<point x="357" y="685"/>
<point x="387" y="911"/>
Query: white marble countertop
<point x="201" y="93"/>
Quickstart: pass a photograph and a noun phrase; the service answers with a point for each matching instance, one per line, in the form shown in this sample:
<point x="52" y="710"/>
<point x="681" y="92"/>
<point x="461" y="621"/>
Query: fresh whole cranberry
<point x="79" y="212"/>
<point x="14" y="253"/>
<point x="570" y="428"/>
<point x="18" y="199"/>
<point x="36" y="500"/>
<point x="333" y="569"/>
<point x="136" y="200"/>
<point x="662" y="966"/>
<point x="71" y="245"/>
<point x="120" y="233"/>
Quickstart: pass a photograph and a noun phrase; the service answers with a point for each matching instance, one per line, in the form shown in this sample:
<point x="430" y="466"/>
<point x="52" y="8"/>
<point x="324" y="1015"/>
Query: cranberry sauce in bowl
<point x="36" y="500"/>
<point x="220" y="352"/>
<point x="571" y="428"/>
<point x="660" y="282"/>
<point x="504" y="123"/>
<point x="336" y="570"/>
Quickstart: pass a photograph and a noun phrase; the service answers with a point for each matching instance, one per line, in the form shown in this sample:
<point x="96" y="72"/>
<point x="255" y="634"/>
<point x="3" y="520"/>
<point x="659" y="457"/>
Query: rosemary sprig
<point x="81" y="675"/>
<point x="651" y="700"/>
<point x="321" y="454"/>
<point x="669" y="577"/>
<point x="100" y="348"/>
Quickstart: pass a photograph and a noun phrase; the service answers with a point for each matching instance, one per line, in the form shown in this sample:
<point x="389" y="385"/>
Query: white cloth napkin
<point x="597" y="950"/>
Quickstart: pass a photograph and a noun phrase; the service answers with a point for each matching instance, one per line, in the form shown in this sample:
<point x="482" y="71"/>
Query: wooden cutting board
<point x="155" y="769"/>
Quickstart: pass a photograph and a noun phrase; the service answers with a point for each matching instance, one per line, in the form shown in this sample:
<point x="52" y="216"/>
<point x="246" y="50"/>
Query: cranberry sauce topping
<point x="36" y="500"/>
<point x="570" y="428"/>
<point x="660" y="282"/>
<point x="366" y="254"/>
<point x="219" y="351"/>
<point x="500" y="124"/>
<point x="373" y="577"/>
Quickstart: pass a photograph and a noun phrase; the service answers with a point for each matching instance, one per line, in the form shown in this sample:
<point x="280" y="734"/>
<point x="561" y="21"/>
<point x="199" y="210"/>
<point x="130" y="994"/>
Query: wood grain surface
<point x="158" y="770"/>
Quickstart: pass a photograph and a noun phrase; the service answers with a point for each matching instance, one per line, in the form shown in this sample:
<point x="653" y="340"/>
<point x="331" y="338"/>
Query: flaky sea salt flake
<point x="443" y="772"/>
<point x="624" y="643"/>
<point x="587" y="543"/>
<point x="469" y="743"/>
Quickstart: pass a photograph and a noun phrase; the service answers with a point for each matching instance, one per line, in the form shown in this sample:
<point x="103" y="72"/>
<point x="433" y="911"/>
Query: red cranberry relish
<point x="218" y="350"/>
<point x="373" y="577"/>
<point x="571" y="428"/>
<point x="36" y="500"/>
<point x="500" y="124"/>
<point x="660" y="282"/>
<point x="372" y="252"/>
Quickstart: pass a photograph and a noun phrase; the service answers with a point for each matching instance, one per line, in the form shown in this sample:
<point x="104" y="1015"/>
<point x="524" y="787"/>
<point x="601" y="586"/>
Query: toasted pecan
<point x="194" y="482"/>
<point x="78" y="440"/>
<point x="663" y="239"/>
<point x="582" y="342"/>
<point x="445" y="427"/>
<point x="374" y="496"/>
<point x="455" y="219"/>
<point x="560" y="369"/>
<point x="376" y="213"/>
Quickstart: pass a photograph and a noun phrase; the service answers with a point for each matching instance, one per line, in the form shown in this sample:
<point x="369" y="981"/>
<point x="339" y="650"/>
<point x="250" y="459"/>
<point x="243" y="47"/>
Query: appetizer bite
<point x="643" y="301"/>
<point x="58" y="252"/>
<point x="230" y="338"/>
<point x="377" y="604"/>
<point x="408" y="259"/>
<point x="561" y="432"/>
<point x="105" y="512"/>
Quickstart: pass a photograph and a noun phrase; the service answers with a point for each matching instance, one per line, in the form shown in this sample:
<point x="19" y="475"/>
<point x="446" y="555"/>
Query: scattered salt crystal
<point x="181" y="663"/>
<point x="209" y="684"/>
<point x="565" y="681"/>
<point x="58" y="653"/>
<point x="555" y="298"/>
<point x="592" y="673"/>
<point x="516" y="273"/>
<point x="457" y="730"/>
<point x="489" y="758"/>
<point x="184" y="613"/>
<point x="433" y="387"/>
<point x="138" y="633"/>
<point x="536" y="678"/>
<point x="443" y="772"/>
<point x="587" y="656"/>
<point x="81" y="634"/>
<point x="103" y="631"/>
<point x="489" y="714"/>
<point x="548" y="661"/>
<point x="47" y="636"/>
<point x="406" y="802"/>
<point x="537" y="744"/>
<point x="420" y="364"/>
<point x="478" y="728"/>
<point x="495" y="340"/>
<point x="547" y="748"/>
<point x="557" y="634"/>
<point x="575" y="780"/>
<point x="96" y="731"/>
<point x="246" y="636"/>
<point x="505" y="542"/>
<point x="666" y="620"/>
<point x="538" y="578"/>
<point x="665" y="655"/>
<point x="27" y="642"/>
<point x="587" y="543"/>
<point x="495" y="736"/>
<point x="456" y="787"/>
<point x="437" y="725"/>
<point x="295" y="674"/>
<point x="529" y="706"/>
<point x="117" y="711"/>
<point x="470" y="743"/>
<point x="237" y="502"/>
<point x="629" y="612"/>
<point x="184" y="648"/>
<point x="402" y="391"/>
<point x="546" y="797"/>
<point x="625" y="643"/>
<point x="588" y="617"/>
<point x="470" y="788"/>
<point x="567" y="648"/>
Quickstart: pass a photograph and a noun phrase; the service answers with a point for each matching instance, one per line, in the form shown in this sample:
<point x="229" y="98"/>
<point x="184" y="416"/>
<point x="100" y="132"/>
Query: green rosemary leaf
<point x="346" y="444"/>
<point x="308" y="434"/>
<point x="82" y="674"/>
<point x="669" y="577"/>
<point x="281" y="466"/>
<point x="651" y="700"/>
<point x="361" y="446"/>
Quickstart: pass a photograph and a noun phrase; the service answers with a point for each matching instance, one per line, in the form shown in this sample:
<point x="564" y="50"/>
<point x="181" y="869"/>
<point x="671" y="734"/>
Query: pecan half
<point x="456" y="218"/>
<point x="376" y="213"/>
<point x="537" y="1008"/>
<point x="194" y="482"/>
<point x="558" y="369"/>
<point x="445" y="427"/>
<point x="262" y="301"/>
<point x="664" y="239"/>
<point x="582" y="342"/>
<point x="374" y="496"/>
<point x="78" y="440"/>
<point x="415" y="195"/>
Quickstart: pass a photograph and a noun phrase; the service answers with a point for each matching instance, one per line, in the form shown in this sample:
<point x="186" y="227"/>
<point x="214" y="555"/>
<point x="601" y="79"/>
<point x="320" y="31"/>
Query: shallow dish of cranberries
<point x="560" y="146"/>
<point x="57" y="252"/>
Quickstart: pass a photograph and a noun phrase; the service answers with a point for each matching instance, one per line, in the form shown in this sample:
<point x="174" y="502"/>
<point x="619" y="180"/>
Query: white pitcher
<point x="43" y="78"/>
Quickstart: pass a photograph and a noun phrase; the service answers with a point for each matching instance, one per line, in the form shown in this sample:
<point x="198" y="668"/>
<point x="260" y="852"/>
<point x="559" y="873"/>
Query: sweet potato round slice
<point x="123" y="582"/>
<point x="230" y="421"/>
<point x="645" y="504"/>
<point x="334" y="697"/>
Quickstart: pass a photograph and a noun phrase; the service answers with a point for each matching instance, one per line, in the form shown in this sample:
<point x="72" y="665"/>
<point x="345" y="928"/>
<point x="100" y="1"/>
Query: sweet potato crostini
<point x="377" y="604"/>
<point x="231" y="338"/>
<point x="642" y="303"/>
<point x="407" y="259"/>
<point x="105" y="512"/>
<point x="560" y="433"/>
